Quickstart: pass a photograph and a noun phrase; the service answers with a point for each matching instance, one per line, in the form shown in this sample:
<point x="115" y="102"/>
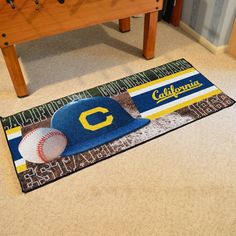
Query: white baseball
<point x="42" y="145"/>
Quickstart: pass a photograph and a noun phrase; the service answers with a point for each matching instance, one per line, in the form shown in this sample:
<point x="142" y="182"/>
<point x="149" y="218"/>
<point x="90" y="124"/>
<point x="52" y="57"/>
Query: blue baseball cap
<point x="91" y="122"/>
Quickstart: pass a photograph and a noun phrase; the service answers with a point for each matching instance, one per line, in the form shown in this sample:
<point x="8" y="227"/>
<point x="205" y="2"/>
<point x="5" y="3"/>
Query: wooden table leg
<point x="176" y="14"/>
<point x="124" y="25"/>
<point x="149" y="39"/>
<point x="9" y="54"/>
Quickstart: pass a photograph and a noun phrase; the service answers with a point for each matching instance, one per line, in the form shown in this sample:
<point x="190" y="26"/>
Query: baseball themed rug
<point x="66" y="135"/>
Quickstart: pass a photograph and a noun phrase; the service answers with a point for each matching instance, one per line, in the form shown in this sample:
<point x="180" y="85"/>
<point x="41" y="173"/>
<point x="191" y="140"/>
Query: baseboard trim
<point x="203" y="41"/>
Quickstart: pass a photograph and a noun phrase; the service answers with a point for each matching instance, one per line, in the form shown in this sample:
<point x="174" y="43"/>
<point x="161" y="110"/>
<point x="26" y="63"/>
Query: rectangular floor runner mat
<point x="63" y="136"/>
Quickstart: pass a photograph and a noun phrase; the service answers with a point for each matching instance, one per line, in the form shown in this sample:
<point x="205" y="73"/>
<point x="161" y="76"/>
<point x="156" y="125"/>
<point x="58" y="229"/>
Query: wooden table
<point x="29" y="21"/>
<point x="232" y="41"/>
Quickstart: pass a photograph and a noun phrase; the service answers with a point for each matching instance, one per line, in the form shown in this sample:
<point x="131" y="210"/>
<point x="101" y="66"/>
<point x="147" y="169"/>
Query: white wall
<point x="213" y="19"/>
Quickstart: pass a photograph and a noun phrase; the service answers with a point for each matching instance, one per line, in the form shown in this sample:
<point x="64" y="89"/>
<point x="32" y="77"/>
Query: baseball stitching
<point x="26" y="136"/>
<point x="42" y="141"/>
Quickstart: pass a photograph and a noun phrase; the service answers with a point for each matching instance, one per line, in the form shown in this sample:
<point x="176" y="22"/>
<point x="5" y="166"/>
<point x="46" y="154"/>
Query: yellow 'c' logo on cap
<point x="83" y="118"/>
